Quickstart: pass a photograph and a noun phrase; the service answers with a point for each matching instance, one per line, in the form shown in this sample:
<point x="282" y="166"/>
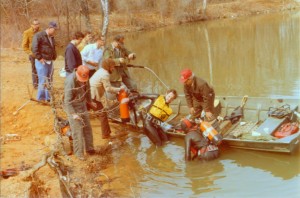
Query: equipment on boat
<point x="238" y="112"/>
<point x="209" y="132"/>
<point x="287" y="129"/>
<point x="186" y="124"/>
<point x="124" y="109"/>
<point x="279" y="112"/>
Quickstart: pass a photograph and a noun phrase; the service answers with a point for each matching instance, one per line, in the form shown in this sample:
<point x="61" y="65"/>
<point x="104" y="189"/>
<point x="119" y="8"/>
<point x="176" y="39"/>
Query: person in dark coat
<point x="43" y="49"/>
<point x="121" y="55"/>
<point x="199" y="94"/>
<point x="196" y="145"/>
<point x="72" y="54"/>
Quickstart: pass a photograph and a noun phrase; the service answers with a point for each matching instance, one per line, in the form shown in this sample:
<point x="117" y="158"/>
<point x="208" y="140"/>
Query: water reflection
<point x="284" y="166"/>
<point x="203" y="176"/>
<point x="258" y="56"/>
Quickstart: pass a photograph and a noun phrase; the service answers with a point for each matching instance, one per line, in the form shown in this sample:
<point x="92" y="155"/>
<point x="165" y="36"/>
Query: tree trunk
<point x="86" y="14"/>
<point x="105" y="9"/>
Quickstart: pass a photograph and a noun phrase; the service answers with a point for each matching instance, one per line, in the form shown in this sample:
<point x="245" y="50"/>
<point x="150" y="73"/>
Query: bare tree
<point x="84" y="10"/>
<point x="105" y="10"/>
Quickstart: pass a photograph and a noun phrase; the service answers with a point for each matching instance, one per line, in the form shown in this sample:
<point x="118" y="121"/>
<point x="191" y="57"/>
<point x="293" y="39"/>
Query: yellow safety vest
<point x="160" y="109"/>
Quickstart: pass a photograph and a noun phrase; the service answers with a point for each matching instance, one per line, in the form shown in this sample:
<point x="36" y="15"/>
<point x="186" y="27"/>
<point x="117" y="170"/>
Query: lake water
<point x="255" y="56"/>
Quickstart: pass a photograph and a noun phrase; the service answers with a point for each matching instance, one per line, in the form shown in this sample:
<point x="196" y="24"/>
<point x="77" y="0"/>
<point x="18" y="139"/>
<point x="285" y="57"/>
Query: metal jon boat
<point x="254" y="131"/>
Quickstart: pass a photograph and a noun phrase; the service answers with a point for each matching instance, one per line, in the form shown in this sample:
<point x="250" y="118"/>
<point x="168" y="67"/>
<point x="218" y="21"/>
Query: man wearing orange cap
<point x="77" y="94"/>
<point x="198" y="94"/>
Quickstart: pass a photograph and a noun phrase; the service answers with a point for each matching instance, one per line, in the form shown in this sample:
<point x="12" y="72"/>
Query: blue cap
<point x="53" y="24"/>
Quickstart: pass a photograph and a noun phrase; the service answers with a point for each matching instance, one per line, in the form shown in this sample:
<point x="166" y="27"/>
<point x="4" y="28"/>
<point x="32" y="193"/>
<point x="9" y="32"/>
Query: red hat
<point x="185" y="74"/>
<point x="82" y="73"/>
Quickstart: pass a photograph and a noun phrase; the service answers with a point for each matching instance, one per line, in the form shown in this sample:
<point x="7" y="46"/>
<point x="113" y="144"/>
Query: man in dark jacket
<point x="43" y="49"/>
<point x="198" y="94"/>
<point x="72" y="54"/>
<point x="121" y="56"/>
<point x="196" y="145"/>
<point x="77" y="94"/>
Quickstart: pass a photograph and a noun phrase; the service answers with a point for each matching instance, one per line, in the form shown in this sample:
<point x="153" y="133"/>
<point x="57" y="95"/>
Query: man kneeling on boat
<point x="196" y="145"/>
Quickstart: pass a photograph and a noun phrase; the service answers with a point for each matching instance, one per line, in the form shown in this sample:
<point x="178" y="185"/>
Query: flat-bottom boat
<point x="259" y="120"/>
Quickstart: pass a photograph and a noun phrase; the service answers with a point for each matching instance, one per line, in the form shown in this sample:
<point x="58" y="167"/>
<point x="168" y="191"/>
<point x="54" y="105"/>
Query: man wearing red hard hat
<point x="77" y="94"/>
<point x="199" y="95"/>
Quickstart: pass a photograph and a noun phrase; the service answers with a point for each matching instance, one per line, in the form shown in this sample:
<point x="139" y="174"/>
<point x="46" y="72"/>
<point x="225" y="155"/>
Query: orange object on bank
<point x="124" y="109"/>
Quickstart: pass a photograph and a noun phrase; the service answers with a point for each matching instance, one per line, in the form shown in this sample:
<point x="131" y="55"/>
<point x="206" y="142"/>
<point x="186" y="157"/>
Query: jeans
<point x="45" y="73"/>
<point x="35" y="79"/>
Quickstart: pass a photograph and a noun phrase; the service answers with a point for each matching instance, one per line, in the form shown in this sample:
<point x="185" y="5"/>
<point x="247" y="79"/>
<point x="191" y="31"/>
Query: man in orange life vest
<point x="196" y="145"/>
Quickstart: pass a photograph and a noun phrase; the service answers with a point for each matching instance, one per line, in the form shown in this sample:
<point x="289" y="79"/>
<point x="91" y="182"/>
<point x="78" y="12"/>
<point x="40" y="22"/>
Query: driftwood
<point x="27" y="175"/>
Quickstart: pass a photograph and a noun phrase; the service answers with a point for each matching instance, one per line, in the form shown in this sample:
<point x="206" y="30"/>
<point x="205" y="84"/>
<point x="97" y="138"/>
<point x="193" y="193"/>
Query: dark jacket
<point x="76" y="94"/>
<point x="194" y="139"/>
<point x="109" y="52"/>
<point x="199" y="92"/>
<point x="42" y="48"/>
<point x="72" y="58"/>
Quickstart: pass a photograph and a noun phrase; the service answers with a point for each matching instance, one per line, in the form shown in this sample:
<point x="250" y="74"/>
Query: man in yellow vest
<point x="158" y="113"/>
<point x="26" y="45"/>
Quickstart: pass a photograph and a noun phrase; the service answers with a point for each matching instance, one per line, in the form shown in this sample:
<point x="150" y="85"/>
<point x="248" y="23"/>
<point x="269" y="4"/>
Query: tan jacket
<point x="27" y="40"/>
<point x="100" y="84"/>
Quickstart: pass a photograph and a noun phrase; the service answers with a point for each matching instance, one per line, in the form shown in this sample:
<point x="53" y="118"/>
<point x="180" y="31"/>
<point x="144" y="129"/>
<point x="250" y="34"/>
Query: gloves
<point x="123" y="87"/>
<point x="122" y="60"/>
<point x="131" y="56"/>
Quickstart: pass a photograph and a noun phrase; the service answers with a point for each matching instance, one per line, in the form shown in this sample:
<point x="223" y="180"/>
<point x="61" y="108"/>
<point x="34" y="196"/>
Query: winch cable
<point x="167" y="87"/>
<point x="147" y="68"/>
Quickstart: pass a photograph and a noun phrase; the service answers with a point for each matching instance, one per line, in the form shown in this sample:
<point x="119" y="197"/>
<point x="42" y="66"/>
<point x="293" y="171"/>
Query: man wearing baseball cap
<point x="43" y="49"/>
<point x="199" y="95"/>
<point x="77" y="94"/>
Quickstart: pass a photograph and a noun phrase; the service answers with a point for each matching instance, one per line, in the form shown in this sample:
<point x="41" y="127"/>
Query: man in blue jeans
<point x="43" y="48"/>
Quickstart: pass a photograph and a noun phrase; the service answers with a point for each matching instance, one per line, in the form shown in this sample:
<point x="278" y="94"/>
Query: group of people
<point x="94" y="70"/>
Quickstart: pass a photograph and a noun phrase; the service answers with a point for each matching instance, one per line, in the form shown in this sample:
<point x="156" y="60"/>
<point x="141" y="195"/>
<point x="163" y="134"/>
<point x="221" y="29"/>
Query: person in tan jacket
<point x="26" y="45"/>
<point x="100" y="86"/>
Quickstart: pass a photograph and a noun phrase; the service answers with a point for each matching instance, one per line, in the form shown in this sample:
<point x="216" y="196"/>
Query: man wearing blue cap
<point x="43" y="49"/>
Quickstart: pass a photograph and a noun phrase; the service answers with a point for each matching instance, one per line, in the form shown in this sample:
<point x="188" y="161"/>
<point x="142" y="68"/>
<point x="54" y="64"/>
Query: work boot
<point x="91" y="152"/>
<point x="106" y="136"/>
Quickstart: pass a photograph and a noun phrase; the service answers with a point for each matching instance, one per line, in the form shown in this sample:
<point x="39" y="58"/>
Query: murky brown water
<point x="257" y="56"/>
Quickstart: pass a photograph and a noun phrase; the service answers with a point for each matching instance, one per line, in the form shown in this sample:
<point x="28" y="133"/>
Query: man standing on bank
<point x="100" y="85"/>
<point x="198" y="94"/>
<point x="43" y="48"/>
<point x="72" y="54"/>
<point x="92" y="54"/>
<point x="77" y="94"/>
<point x="26" y="45"/>
<point x="121" y="56"/>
